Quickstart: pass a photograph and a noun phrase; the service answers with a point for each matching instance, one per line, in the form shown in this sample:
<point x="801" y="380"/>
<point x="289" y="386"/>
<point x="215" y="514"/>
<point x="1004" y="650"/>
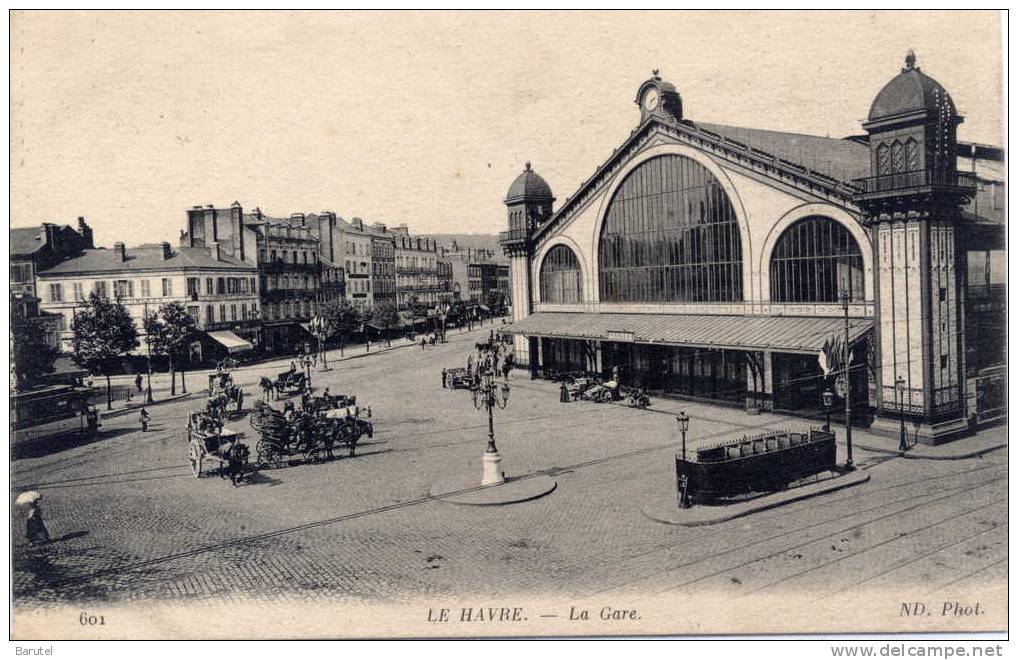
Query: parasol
<point x="28" y="497"/>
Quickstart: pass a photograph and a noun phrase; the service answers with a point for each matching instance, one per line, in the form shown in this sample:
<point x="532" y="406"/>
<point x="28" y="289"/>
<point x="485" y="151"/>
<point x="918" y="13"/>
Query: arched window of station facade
<point x="814" y="260"/>
<point x="561" y="278"/>
<point x="670" y="234"/>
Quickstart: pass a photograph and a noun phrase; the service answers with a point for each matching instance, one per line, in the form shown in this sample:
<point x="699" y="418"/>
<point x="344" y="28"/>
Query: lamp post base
<point x="491" y="463"/>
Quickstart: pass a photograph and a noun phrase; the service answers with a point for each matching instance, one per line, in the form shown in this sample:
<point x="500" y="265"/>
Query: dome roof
<point x="910" y="91"/>
<point x="529" y="186"/>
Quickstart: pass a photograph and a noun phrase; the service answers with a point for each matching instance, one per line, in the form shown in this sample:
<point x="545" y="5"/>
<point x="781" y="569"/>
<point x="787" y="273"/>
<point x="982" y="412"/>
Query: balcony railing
<point x="914" y="179"/>
<point x="278" y="266"/>
<point x="513" y="235"/>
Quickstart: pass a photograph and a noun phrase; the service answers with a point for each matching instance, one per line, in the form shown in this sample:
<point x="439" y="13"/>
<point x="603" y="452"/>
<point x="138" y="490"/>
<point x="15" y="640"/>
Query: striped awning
<point x="791" y="334"/>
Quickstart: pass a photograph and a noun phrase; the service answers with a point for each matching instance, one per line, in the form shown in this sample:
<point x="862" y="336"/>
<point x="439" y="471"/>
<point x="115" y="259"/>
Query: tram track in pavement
<point x="254" y="538"/>
<point x="835" y="499"/>
<point x="715" y="554"/>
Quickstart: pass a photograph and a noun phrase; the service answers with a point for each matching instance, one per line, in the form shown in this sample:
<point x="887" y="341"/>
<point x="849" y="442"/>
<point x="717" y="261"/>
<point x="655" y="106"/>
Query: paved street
<point x="133" y="525"/>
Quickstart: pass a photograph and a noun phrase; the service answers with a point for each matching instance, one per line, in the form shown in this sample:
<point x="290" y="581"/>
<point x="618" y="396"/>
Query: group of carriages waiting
<point x="308" y="434"/>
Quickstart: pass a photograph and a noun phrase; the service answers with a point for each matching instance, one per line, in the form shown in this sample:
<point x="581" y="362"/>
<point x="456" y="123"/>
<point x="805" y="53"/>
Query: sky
<point x="130" y="118"/>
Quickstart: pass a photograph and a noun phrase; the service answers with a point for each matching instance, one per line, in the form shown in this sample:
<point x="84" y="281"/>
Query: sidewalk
<point x="701" y="414"/>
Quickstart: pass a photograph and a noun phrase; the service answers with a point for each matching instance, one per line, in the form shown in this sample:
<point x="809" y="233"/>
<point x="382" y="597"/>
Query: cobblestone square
<point x="132" y="525"/>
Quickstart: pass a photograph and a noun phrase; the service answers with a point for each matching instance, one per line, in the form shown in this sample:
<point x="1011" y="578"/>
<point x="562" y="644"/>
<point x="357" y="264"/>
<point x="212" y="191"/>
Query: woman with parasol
<point x="35" y="529"/>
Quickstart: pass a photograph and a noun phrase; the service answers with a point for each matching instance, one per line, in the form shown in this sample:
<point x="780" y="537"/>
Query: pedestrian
<point x="35" y="528"/>
<point x="89" y="383"/>
<point x="137" y="382"/>
<point x="563" y="393"/>
<point x="293" y="366"/>
<point x="506" y="367"/>
<point x="144" y="417"/>
<point x="445" y="375"/>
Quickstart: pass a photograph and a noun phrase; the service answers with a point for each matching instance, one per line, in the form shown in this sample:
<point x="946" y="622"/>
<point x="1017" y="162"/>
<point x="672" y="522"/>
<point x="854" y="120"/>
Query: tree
<point x="103" y="332"/>
<point x="168" y="331"/>
<point x="384" y="316"/>
<point x="33" y="357"/>
<point x="342" y="318"/>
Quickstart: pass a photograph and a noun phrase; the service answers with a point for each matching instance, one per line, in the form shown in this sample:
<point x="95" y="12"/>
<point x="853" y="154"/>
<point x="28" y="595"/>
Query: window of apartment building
<point x="192" y="311"/>
<point x="294" y="256"/>
<point x="286" y="282"/>
<point x="286" y="309"/>
<point x="210" y="315"/>
<point x="220" y="285"/>
<point x="146" y="288"/>
<point x="251" y="282"/>
<point x="123" y="289"/>
<point x="78" y="293"/>
<point x="101" y="289"/>
<point x="304" y="256"/>
<point x="209" y="286"/>
<point x="261" y="255"/>
<point x="56" y="292"/>
<point x="254" y="310"/>
<point x="222" y="312"/>
<point x="243" y="311"/>
<point x="21" y="273"/>
<point x="193" y="287"/>
<point x="314" y="257"/>
<point x="167" y="287"/>
<point x="233" y="312"/>
<point x="273" y="255"/>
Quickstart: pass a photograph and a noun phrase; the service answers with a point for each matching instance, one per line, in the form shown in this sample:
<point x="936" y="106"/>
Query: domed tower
<point x="911" y="203"/>
<point x="529" y="203"/>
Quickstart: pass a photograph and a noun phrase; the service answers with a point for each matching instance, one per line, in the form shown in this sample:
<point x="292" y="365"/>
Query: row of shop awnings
<point x="791" y="334"/>
<point x="231" y="342"/>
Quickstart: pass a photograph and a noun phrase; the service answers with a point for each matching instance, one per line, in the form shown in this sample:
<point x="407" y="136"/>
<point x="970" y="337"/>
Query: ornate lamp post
<point x="488" y="394"/>
<point x="899" y="387"/>
<point x="849" y="465"/>
<point x="828" y="399"/>
<point x="317" y="325"/>
<point x="683" y="421"/>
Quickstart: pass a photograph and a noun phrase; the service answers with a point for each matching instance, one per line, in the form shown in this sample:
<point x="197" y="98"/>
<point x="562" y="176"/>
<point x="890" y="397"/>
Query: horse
<point x="267" y="387"/>
<point x="236" y="462"/>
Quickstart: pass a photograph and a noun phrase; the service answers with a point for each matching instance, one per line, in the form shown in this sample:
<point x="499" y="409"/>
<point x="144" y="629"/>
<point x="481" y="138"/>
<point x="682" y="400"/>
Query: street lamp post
<point x="148" y="364"/>
<point x="683" y="421"/>
<point x="849" y="465"/>
<point x="488" y="394"/>
<point x="828" y="398"/>
<point x="899" y="386"/>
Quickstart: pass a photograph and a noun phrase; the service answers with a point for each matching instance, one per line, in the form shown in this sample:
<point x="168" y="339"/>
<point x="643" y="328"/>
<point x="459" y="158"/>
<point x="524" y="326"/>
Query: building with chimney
<point x="219" y="291"/>
<point x="731" y="264"/>
<point x="37" y="248"/>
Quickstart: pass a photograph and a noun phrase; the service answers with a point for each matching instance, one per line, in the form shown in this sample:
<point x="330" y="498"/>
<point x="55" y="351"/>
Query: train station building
<point x="731" y="264"/>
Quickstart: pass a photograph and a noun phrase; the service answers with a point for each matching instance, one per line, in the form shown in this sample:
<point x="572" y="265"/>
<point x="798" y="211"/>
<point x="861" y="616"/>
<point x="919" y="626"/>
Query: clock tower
<point x="658" y="98"/>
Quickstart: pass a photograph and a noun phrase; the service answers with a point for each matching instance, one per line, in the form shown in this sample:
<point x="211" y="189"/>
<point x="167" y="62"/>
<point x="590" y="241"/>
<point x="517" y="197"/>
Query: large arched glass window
<point x="814" y="260"/>
<point x="670" y="235"/>
<point x="560" y="276"/>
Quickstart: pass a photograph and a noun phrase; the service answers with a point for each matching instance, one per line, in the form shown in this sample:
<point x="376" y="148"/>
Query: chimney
<point x="297" y="217"/>
<point x="379" y="226"/>
<point x="167" y="253"/>
<point x="120" y="251"/>
<point x="358" y="224"/>
<point x="86" y="232"/>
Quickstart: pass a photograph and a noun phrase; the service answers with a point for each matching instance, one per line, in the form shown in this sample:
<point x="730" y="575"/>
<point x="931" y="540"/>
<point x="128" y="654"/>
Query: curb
<point x="106" y="414"/>
<point x="466" y="492"/>
<point x="838" y="483"/>
<point x="925" y="457"/>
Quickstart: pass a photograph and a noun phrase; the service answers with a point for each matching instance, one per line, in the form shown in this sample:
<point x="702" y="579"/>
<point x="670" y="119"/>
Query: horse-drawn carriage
<point x="306" y="436"/>
<point x="208" y="440"/>
<point x="225" y="394"/>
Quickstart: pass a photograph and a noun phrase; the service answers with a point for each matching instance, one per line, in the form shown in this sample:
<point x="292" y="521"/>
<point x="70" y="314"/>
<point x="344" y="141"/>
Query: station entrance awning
<point x="231" y="342"/>
<point x="791" y="334"/>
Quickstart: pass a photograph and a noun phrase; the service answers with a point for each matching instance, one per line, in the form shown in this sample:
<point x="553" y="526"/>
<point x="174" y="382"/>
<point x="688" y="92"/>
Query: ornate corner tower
<point x="911" y="204"/>
<point x="529" y="203"/>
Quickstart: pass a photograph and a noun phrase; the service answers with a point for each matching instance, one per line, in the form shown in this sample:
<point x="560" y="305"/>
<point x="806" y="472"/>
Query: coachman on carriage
<point x="209" y="440"/>
<point x="224" y="394"/>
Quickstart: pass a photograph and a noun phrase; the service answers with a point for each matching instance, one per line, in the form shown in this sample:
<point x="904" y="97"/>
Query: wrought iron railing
<point x="913" y="179"/>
